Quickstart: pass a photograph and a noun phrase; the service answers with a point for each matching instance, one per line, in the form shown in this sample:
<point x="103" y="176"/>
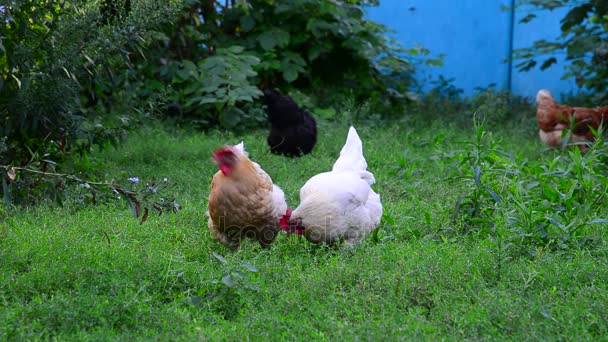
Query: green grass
<point x="531" y="265"/>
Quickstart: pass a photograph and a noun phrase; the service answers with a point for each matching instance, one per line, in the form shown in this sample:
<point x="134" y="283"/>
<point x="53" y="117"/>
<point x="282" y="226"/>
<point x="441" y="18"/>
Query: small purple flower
<point x="2" y="9"/>
<point x="134" y="180"/>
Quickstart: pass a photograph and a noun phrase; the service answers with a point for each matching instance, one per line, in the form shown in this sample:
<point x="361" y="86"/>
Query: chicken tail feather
<point x="241" y="148"/>
<point x="351" y="155"/>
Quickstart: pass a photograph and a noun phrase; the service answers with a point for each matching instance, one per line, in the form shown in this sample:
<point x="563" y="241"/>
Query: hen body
<point x="243" y="202"/>
<point x="553" y="118"/>
<point x="293" y="130"/>
<point x="338" y="205"/>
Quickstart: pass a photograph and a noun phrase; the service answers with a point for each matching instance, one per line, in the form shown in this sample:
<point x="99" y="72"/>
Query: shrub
<point x="61" y="66"/>
<point x="317" y="46"/>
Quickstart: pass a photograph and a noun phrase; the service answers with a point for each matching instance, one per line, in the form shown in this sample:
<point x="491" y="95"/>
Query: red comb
<point x="220" y="152"/>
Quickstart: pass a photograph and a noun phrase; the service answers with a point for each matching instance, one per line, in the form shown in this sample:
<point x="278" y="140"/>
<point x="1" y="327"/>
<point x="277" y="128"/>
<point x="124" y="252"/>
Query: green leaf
<point x="576" y="16"/>
<point x="252" y="287"/>
<point x="206" y="100"/>
<point x="493" y="194"/>
<point x="274" y="37"/>
<point x="388" y="219"/>
<point x="220" y="258"/>
<point x="547" y="63"/>
<point x="375" y="235"/>
<point x="237" y="275"/>
<point x="290" y="75"/>
<point x="188" y="70"/>
<point x="527" y="65"/>
<point x="427" y="218"/>
<point x="291" y="65"/>
<point x="231" y="116"/>
<point x="457" y="208"/>
<point x="247" y="23"/>
<point x="320" y="27"/>
<point x="528" y="18"/>
<point x="314" y="52"/>
<point x="249" y="267"/>
<point x="228" y="281"/>
<point x="550" y="193"/>
<point x="233" y="49"/>
<point x="477" y="172"/>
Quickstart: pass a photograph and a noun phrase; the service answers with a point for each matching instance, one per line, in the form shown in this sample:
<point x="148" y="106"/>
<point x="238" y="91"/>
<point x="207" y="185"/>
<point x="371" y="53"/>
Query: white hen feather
<point x="340" y="204"/>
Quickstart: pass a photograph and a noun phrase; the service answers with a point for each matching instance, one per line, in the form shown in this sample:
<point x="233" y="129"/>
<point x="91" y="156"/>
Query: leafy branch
<point x="583" y="42"/>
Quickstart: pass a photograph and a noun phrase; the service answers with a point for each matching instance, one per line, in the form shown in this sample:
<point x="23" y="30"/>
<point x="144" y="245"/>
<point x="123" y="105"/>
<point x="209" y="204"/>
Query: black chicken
<point x="293" y="130"/>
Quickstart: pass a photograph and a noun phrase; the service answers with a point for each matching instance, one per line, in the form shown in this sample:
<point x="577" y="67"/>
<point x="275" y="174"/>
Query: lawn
<point x="485" y="235"/>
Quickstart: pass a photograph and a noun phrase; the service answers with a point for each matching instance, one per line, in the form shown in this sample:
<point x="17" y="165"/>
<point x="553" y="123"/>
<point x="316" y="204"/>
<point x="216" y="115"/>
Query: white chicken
<point x="339" y="205"/>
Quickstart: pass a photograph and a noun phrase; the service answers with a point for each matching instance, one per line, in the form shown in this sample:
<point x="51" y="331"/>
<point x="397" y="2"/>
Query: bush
<point x="61" y="68"/>
<point x="320" y="47"/>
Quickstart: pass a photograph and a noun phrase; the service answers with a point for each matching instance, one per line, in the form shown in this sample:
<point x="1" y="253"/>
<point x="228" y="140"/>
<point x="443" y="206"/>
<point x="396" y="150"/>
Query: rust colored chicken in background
<point x="553" y="118"/>
<point x="243" y="202"/>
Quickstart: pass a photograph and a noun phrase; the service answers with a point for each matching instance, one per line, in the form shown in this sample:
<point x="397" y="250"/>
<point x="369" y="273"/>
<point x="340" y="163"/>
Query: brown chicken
<point x="243" y="202"/>
<point x="554" y="118"/>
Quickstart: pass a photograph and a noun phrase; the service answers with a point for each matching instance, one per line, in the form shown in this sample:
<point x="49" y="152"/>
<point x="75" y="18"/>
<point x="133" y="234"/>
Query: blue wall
<point x="474" y="36"/>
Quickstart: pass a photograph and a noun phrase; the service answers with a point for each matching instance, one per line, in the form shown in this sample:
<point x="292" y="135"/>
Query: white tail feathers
<point x="351" y="155"/>
<point x="241" y="148"/>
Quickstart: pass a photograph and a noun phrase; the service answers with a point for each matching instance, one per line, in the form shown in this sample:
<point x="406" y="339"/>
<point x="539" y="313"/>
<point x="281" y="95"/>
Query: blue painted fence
<point x="476" y="37"/>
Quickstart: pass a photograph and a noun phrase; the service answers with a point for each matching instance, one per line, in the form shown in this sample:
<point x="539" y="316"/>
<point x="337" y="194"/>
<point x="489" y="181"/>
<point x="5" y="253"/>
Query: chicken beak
<point x="290" y="226"/>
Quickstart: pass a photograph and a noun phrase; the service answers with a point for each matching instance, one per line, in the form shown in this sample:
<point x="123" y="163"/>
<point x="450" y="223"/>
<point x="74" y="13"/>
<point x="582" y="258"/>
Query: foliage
<point x="320" y="45"/>
<point x="529" y="204"/>
<point x="583" y="39"/>
<point x="47" y="63"/>
<point x="478" y="166"/>
<point x="501" y="108"/>
<point x="63" y="64"/>
<point x="213" y="87"/>
<point x="224" y="295"/>
<point x="558" y="201"/>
